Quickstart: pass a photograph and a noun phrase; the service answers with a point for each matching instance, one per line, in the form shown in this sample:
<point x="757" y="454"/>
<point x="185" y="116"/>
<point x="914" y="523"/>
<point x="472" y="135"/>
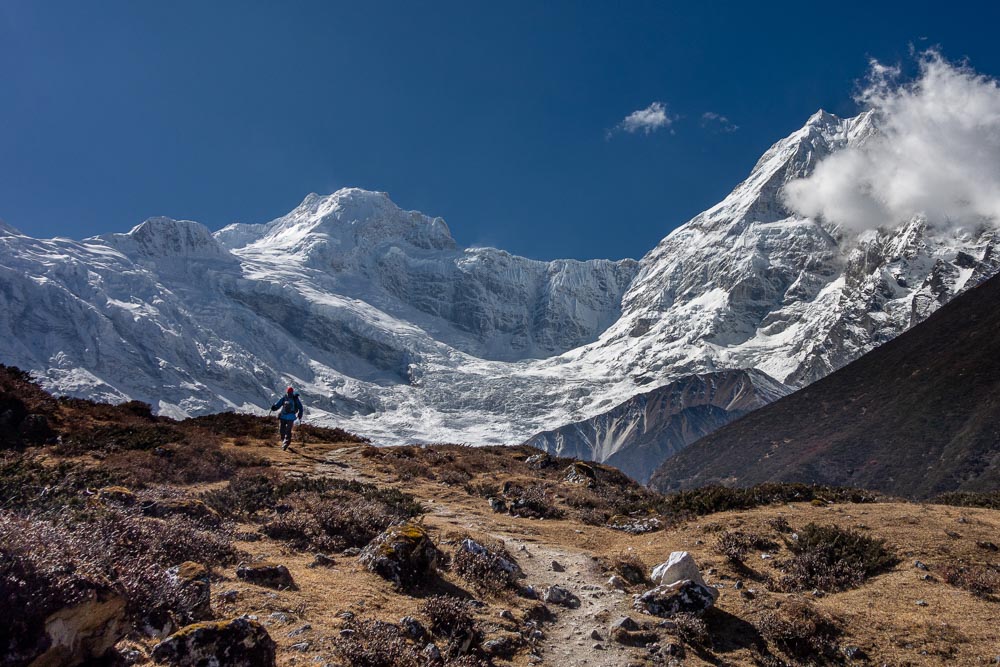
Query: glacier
<point x="389" y="328"/>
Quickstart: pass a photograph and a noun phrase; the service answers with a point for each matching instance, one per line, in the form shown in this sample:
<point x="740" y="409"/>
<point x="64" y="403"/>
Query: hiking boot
<point x="284" y="446"/>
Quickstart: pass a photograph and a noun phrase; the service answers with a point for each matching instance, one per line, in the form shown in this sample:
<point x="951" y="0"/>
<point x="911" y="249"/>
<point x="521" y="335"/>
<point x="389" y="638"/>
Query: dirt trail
<point x="568" y="639"/>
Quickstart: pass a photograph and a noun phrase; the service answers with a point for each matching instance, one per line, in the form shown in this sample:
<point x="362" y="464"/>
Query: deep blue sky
<point x="493" y="115"/>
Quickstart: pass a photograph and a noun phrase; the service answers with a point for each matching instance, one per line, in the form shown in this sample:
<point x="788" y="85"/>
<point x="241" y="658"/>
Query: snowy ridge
<point x="390" y="329"/>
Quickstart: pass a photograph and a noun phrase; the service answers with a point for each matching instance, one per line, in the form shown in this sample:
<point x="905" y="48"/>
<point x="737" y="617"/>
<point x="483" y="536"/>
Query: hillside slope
<point x="166" y="531"/>
<point x="917" y="416"/>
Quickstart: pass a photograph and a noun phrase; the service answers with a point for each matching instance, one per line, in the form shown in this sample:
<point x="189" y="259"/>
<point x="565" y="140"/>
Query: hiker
<point x="291" y="409"/>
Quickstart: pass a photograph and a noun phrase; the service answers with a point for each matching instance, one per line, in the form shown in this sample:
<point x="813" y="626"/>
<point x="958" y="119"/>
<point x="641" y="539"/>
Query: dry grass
<point x="757" y="624"/>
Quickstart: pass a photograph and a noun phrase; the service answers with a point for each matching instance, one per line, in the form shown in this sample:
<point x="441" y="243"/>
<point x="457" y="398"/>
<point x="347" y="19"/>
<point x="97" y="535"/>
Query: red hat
<point x="290" y="390"/>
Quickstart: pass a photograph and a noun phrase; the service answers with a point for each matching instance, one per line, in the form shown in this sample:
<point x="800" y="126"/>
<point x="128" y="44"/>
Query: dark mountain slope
<point x="917" y="416"/>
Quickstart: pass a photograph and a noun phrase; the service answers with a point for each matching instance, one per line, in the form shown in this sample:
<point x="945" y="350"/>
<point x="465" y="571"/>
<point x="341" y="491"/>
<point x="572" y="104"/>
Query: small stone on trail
<point x="624" y="623"/>
<point x="919" y="565"/>
<point x="561" y="596"/>
<point x="556" y="567"/>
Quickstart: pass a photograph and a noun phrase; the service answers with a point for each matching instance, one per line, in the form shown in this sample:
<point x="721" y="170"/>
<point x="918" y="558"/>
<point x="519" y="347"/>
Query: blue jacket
<point x="279" y="404"/>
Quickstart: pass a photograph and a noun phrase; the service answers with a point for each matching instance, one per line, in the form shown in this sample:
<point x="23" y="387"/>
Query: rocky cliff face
<point x="390" y="329"/>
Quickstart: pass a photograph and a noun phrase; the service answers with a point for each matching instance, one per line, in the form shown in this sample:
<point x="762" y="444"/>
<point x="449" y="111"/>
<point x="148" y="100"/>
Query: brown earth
<point x="882" y="617"/>
<point x="172" y="461"/>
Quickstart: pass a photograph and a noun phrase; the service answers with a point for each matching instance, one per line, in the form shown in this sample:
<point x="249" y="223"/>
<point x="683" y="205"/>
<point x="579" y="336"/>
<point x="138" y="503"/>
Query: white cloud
<point x="646" y="120"/>
<point x="937" y="154"/>
<point x="718" y="122"/>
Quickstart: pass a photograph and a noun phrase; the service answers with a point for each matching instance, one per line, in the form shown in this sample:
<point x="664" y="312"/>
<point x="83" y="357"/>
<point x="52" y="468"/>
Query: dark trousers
<point x="286" y="429"/>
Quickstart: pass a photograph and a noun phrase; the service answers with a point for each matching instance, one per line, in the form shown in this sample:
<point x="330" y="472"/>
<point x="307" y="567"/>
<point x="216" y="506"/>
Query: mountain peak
<point x="162" y="236"/>
<point x="823" y="117"/>
<point x="353" y="218"/>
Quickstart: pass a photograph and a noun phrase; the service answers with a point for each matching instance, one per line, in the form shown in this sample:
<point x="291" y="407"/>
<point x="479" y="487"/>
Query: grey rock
<point x="413" y="628"/>
<point x="561" y="596"/>
<point x="266" y="574"/>
<point x="239" y="642"/>
<point x="684" y="596"/>
<point x="624" y="623"/>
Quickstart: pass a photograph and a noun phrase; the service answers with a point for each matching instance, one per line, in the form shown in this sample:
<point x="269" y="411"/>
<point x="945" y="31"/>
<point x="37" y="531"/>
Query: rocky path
<point x="569" y="640"/>
<point x="579" y="634"/>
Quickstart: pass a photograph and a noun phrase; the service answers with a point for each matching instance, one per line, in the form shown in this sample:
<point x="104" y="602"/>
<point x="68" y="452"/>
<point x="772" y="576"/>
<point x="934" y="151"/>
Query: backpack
<point x="289" y="406"/>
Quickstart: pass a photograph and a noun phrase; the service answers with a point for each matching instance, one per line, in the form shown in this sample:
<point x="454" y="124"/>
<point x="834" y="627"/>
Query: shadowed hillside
<point x="916" y="417"/>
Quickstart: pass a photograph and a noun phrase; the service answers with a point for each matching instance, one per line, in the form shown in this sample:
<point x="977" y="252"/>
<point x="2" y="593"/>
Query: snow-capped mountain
<point x="390" y="329"/>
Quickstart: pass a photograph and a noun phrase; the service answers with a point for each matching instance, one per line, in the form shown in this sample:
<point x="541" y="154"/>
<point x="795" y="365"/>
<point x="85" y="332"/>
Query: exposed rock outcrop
<point x="239" y="642"/>
<point x="405" y="555"/>
<point x="82" y="632"/>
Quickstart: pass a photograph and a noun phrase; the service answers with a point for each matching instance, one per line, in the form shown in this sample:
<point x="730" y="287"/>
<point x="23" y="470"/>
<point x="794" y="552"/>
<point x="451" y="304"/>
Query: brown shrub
<point x="177" y="464"/>
<point x="26" y="482"/>
<point x="779" y="524"/>
<point x="988" y="499"/>
<point x="259" y="490"/>
<point x="46" y="564"/>
<point x="486" y="564"/>
<point x="800" y="630"/>
<point x="377" y="644"/>
<point x="980" y="580"/>
<point x="692" y="629"/>
<point x="452" y="620"/>
<point x="333" y="520"/>
<point x="629" y="566"/>
<point x="531" y="500"/>
<point x="736" y="544"/>
<point x="831" y="558"/>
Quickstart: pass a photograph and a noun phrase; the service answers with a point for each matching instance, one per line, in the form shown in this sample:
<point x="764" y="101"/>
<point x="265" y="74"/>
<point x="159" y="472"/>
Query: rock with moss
<point x="271" y="575"/>
<point x="239" y="642"/>
<point x="404" y="554"/>
<point x="682" y="589"/>
<point x="194" y="588"/>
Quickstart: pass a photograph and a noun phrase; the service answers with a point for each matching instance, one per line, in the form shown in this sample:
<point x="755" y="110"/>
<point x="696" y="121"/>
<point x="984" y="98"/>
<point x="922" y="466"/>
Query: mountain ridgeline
<point x="918" y="416"/>
<point x="394" y="331"/>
